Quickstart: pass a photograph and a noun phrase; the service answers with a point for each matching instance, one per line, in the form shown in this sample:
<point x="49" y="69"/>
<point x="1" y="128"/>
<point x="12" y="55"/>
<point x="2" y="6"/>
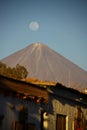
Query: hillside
<point x="45" y="64"/>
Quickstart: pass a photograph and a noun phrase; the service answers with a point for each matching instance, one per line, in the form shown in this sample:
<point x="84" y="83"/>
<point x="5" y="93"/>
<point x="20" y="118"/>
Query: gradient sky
<point x="60" y="24"/>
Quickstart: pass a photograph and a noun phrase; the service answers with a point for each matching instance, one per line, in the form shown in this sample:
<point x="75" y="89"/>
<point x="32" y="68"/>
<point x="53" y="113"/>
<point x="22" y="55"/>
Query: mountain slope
<point x="46" y="64"/>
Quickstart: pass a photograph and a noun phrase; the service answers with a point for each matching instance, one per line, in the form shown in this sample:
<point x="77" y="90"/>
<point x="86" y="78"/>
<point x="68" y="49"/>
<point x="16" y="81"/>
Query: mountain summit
<point x="45" y="64"/>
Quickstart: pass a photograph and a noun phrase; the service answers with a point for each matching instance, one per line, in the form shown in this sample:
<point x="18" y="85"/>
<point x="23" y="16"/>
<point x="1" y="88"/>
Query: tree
<point x="3" y="68"/>
<point x="18" y="72"/>
<point x="21" y="71"/>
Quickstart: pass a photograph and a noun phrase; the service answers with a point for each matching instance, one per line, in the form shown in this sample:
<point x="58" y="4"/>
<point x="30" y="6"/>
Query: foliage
<point x="18" y="72"/>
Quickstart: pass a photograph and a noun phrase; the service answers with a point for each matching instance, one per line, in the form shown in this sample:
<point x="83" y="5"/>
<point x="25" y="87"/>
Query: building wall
<point x="11" y="115"/>
<point x="66" y="108"/>
<point x="56" y="105"/>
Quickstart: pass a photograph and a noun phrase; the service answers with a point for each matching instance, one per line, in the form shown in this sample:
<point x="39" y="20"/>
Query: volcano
<point x="45" y="64"/>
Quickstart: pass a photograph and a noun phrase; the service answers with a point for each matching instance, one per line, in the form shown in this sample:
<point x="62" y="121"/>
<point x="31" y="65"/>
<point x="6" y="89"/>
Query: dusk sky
<point x="60" y="24"/>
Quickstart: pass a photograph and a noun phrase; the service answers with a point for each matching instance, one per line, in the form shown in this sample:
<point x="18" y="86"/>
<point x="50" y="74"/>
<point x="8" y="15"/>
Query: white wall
<point x="11" y="115"/>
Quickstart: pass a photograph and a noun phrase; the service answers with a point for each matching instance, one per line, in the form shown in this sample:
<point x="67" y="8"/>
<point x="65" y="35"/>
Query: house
<point x="21" y="105"/>
<point x="26" y="106"/>
<point x="67" y="109"/>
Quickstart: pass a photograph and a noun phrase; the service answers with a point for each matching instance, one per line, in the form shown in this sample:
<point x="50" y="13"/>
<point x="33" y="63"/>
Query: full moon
<point x="34" y="25"/>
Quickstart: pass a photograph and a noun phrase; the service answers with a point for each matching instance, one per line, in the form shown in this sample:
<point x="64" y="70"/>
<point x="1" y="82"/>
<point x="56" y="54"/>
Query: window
<point x="23" y="114"/>
<point x="60" y="122"/>
<point x="25" y="126"/>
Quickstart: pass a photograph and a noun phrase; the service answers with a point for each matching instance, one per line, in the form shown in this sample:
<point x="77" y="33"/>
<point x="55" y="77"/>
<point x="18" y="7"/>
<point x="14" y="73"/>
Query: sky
<point x="60" y="24"/>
